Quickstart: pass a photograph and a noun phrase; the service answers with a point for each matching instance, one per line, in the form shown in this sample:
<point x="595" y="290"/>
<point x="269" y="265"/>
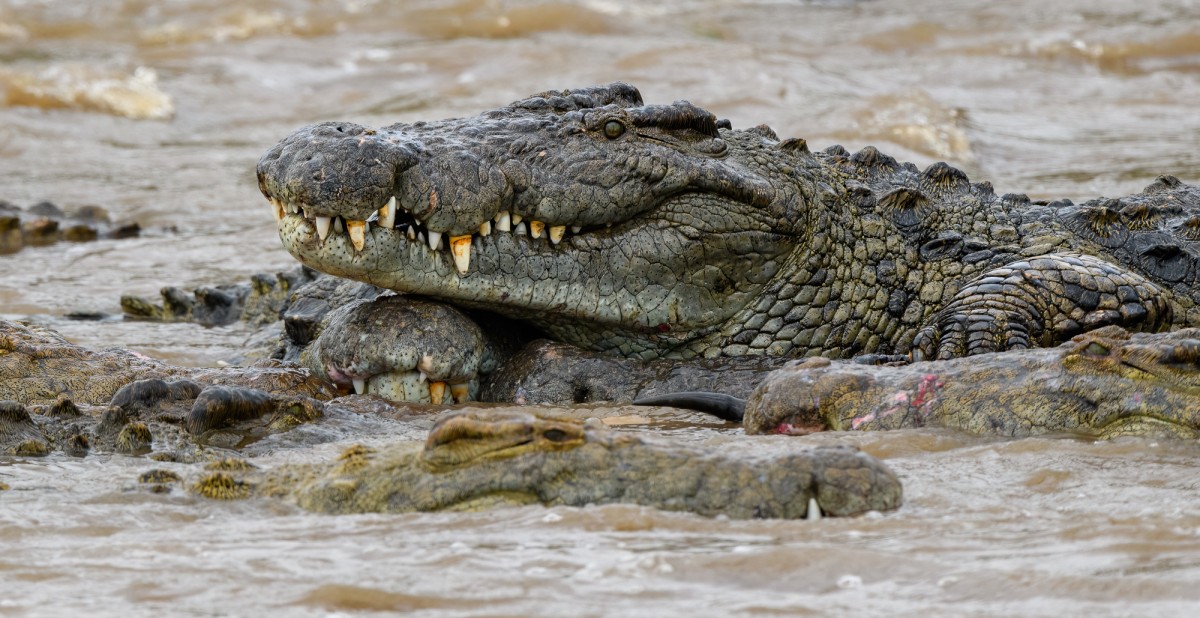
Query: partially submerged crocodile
<point x="45" y="223"/>
<point x="55" y="396"/>
<point x="483" y="459"/>
<point x="1103" y="384"/>
<point x="657" y="231"/>
<point x="120" y="401"/>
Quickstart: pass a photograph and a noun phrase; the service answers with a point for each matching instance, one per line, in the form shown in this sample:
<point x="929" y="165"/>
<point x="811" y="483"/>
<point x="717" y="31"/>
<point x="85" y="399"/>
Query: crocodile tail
<point x="720" y="405"/>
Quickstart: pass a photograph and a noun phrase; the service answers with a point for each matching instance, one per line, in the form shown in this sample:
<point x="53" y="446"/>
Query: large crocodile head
<point x="607" y="222"/>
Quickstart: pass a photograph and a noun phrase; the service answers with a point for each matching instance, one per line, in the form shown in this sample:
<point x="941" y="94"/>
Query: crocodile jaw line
<point x="459" y="247"/>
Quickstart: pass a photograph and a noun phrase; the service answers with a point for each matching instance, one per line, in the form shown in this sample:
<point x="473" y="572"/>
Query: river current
<point x="158" y="110"/>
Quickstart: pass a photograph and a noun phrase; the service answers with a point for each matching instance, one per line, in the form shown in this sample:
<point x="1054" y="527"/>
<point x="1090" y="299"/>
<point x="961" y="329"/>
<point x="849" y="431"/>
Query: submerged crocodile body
<point x="1102" y="384"/>
<point x="502" y="457"/>
<point x="45" y="223"/>
<point x="657" y="231"/>
<point x="57" y="397"/>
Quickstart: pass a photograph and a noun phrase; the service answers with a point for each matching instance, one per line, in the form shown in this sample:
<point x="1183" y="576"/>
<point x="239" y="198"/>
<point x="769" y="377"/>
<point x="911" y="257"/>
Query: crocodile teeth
<point x="503" y="222"/>
<point x="535" y="228"/>
<point x="460" y="392"/>
<point x="575" y="229"/>
<point x="515" y="218"/>
<point x="293" y="209"/>
<point x="278" y="208"/>
<point x="338" y="225"/>
<point x="485" y="228"/>
<point x="460" y="246"/>
<point x="411" y="233"/>
<point x="519" y="230"/>
<point x="387" y="214"/>
<point x="358" y="233"/>
<point x="435" y="240"/>
<point x="437" y="390"/>
<point x="556" y="233"/>
<point x="360" y="386"/>
<point x="323" y="227"/>
<point x="814" y="510"/>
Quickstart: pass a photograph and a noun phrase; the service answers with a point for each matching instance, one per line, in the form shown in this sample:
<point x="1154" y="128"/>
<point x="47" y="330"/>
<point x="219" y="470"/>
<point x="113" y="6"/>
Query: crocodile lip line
<point x="405" y="226"/>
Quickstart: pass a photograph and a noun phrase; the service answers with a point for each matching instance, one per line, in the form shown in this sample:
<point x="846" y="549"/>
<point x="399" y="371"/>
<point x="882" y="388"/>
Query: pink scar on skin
<point x="926" y="396"/>
<point x="787" y="429"/>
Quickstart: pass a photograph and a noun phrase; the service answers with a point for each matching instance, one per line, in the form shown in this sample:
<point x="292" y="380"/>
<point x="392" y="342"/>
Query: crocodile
<point x="487" y="458"/>
<point x="58" y="397"/>
<point x="44" y="223"/>
<point x="660" y="232"/>
<point x="1102" y="384"/>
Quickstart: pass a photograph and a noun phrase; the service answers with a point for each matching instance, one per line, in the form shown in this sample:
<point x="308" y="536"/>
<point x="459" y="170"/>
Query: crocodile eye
<point x="1095" y="349"/>
<point x="555" y="435"/>
<point x="613" y="129"/>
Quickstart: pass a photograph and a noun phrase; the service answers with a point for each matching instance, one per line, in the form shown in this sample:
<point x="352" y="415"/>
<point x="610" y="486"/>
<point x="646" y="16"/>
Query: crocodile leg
<point x="1041" y="302"/>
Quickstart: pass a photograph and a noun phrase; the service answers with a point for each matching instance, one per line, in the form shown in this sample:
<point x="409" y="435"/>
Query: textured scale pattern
<point x="695" y="239"/>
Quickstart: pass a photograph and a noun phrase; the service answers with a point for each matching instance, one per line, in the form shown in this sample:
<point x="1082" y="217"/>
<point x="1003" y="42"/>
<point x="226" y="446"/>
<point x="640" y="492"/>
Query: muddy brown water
<point x="157" y="111"/>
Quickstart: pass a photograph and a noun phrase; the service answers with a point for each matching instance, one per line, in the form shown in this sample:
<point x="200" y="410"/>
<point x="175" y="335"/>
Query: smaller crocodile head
<point x="464" y="439"/>
<point x="586" y="212"/>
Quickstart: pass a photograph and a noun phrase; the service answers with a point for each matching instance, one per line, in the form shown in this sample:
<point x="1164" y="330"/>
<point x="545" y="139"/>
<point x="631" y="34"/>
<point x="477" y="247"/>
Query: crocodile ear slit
<point x="680" y="115"/>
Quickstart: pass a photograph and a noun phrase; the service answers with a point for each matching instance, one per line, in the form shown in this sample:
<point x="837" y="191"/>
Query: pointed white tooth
<point x="278" y="209"/>
<point x="323" y="227"/>
<point x="358" y="233"/>
<point x="421" y="237"/>
<point x="387" y="214"/>
<point x="460" y="246"/>
<point x="293" y="209"/>
<point x="535" y="228"/>
<point x="814" y="510"/>
<point x="520" y="230"/>
<point x="556" y="233"/>
<point x="503" y="222"/>
<point x="435" y="240"/>
<point x="411" y="233"/>
<point x="516" y="218"/>
<point x="575" y="229"/>
<point x="339" y="225"/>
<point x="360" y="386"/>
<point x="485" y="228"/>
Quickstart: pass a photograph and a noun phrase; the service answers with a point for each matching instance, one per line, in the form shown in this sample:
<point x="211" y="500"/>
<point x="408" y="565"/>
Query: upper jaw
<point x="395" y="225"/>
<point x="334" y="169"/>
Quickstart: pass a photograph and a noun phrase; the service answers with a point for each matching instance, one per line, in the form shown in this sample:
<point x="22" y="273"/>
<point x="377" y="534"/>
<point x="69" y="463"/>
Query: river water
<point x="158" y="110"/>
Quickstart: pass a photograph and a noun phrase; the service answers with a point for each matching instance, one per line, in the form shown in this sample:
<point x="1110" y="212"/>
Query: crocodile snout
<point x="334" y="169"/>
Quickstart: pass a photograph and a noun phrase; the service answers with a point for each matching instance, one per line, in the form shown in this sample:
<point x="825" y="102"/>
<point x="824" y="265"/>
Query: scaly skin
<point x="1105" y="383"/>
<point x="485" y="459"/>
<point x="45" y="224"/>
<point x="115" y="400"/>
<point x="37" y="366"/>
<point x="55" y="396"/>
<point x="695" y="239"/>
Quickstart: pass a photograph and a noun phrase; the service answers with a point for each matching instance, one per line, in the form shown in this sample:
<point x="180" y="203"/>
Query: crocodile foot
<point x="1041" y="302"/>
